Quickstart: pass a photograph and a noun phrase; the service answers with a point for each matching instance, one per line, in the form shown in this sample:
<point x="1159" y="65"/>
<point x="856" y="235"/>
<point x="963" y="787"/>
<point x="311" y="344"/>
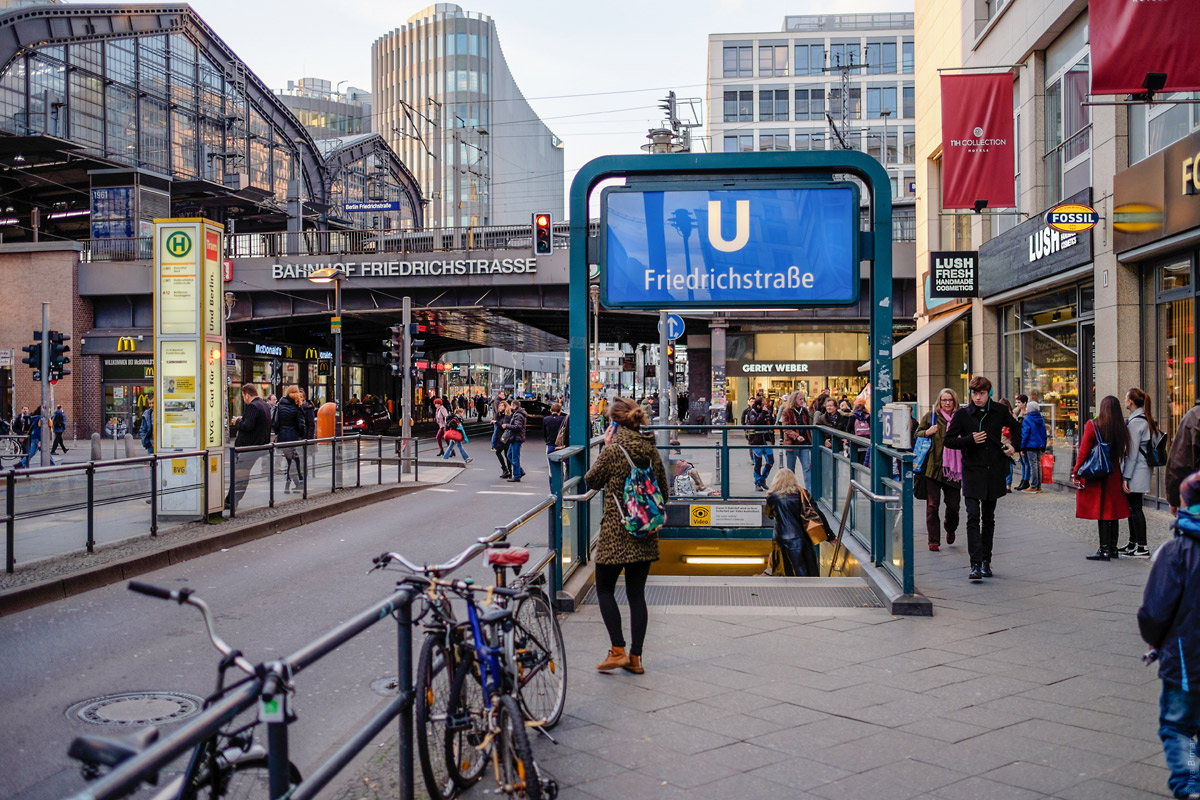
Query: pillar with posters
<point x="189" y="334"/>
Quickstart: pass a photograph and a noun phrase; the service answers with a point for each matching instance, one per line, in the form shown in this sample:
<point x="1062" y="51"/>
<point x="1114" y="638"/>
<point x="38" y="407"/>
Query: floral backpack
<point x="642" y="506"/>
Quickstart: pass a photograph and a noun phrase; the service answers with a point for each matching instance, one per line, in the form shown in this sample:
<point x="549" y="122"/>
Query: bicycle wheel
<point x="518" y="773"/>
<point x="243" y="780"/>
<point x="432" y="685"/>
<point x="466" y="725"/>
<point x="540" y="659"/>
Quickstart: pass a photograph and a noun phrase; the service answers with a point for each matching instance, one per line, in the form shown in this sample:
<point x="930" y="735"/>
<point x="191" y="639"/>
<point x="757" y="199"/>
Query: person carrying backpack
<point x="1169" y="621"/>
<point x="1135" y="472"/>
<point x="627" y="542"/>
<point x="147" y="429"/>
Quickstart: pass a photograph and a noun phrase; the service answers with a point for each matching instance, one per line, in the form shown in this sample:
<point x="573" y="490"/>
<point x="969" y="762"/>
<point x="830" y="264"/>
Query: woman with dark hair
<point x="1103" y="499"/>
<point x="1136" y="472"/>
<point x="618" y="550"/>
<point x="499" y="424"/>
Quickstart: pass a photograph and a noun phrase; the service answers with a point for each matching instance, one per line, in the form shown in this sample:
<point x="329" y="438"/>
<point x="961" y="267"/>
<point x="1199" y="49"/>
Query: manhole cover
<point x="386" y="686"/>
<point x="136" y="709"/>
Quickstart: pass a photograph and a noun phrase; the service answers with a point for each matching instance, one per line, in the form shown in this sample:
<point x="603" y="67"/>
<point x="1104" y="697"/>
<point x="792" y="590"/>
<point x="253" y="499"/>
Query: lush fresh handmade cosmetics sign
<point x="729" y="248"/>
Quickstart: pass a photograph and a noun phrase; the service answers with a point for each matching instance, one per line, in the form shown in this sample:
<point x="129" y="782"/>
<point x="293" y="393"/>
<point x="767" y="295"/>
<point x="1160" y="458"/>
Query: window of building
<point x="773" y="105"/>
<point x="810" y="102"/>
<point x="810" y="58"/>
<point x="909" y="104"/>
<point x="881" y="98"/>
<point x="739" y="62"/>
<point x="910" y="146"/>
<point x="1154" y="127"/>
<point x="772" y="60"/>
<point x="881" y="58"/>
<point x="739" y="106"/>
<point x="773" y="140"/>
<point x="908" y="62"/>
<point x="810" y="140"/>
<point x="1068" y="131"/>
<point x="741" y="143"/>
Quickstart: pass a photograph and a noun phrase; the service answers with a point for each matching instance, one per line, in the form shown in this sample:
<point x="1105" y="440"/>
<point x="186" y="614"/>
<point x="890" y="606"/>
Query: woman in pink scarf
<point x="942" y="470"/>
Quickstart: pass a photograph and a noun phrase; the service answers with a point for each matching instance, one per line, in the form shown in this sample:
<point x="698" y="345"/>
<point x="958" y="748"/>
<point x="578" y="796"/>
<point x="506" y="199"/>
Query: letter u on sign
<point x="742" y="234"/>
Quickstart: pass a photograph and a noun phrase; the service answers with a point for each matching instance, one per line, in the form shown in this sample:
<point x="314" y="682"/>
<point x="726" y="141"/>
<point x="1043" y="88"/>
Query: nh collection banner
<point x="1131" y="38"/>
<point x="977" y="141"/>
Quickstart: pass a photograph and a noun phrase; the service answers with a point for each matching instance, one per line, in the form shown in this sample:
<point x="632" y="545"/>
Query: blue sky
<point x="571" y="59"/>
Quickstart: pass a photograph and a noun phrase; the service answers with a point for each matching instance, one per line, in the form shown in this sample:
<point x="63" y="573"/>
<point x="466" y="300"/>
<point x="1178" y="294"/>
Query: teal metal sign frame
<point x="716" y="171"/>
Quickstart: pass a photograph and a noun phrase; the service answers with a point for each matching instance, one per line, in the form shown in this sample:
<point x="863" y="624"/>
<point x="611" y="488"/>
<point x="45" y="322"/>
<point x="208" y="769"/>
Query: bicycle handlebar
<point x="475" y="549"/>
<point x="186" y="597"/>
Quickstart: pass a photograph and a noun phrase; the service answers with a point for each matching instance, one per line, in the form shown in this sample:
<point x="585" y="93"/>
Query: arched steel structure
<point x="374" y="145"/>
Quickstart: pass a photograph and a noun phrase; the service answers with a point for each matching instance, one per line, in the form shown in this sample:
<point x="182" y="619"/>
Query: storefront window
<point x="1176" y="325"/>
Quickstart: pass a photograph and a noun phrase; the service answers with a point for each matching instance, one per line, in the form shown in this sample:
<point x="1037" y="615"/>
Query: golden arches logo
<point x="179" y="244"/>
<point x="311" y="353"/>
<point x="126" y="343"/>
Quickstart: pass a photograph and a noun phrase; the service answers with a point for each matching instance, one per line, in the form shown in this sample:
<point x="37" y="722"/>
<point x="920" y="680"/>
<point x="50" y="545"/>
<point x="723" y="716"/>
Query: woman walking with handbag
<point x="617" y="550"/>
<point x="1097" y="475"/>
<point x="1136" y="471"/>
<point x="790" y="505"/>
<point x="500" y="419"/>
<point x="942" y="470"/>
<point x="455" y="435"/>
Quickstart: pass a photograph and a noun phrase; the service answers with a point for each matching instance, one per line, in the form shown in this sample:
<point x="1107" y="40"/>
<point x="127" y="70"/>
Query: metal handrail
<point x="887" y="500"/>
<point x="580" y="498"/>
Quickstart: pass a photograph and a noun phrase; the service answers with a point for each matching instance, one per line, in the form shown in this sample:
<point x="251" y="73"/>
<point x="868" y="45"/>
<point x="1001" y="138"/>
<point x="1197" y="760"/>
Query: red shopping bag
<point x="1047" y="468"/>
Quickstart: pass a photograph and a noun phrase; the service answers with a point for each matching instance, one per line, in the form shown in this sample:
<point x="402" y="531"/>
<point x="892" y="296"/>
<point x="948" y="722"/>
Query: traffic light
<point x="34" y="359"/>
<point x="543" y="235"/>
<point x="417" y="355"/>
<point x="58" y="355"/>
<point x="670" y="361"/>
<point x="394" y="348"/>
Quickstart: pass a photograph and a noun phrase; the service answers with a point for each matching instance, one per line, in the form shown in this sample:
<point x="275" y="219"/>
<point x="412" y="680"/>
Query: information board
<point x="708" y="248"/>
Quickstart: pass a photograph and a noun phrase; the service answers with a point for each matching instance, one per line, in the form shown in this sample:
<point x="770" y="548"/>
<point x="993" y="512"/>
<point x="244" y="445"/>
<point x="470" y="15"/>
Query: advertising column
<point x="189" y="335"/>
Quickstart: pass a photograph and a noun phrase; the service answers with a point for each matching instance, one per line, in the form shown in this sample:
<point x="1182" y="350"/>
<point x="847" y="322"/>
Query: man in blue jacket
<point x="1169" y="621"/>
<point x="1033" y="444"/>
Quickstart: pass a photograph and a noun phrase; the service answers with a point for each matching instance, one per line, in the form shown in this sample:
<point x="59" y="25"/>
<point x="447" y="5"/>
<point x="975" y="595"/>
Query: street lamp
<point x="336" y="275"/>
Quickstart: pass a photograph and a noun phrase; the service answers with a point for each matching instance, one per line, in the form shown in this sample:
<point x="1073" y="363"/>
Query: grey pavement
<point x="1029" y="685"/>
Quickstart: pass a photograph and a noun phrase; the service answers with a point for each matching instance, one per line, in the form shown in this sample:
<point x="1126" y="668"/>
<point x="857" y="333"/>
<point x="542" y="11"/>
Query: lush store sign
<point x="954" y="274"/>
<point x="708" y="248"/>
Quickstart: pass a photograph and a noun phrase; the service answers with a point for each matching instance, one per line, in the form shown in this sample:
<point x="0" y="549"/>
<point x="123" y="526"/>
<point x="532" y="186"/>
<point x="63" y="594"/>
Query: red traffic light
<point x="543" y="220"/>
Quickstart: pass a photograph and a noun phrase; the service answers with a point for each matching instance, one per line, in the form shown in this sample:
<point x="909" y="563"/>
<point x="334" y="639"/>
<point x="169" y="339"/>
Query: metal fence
<point x="54" y="511"/>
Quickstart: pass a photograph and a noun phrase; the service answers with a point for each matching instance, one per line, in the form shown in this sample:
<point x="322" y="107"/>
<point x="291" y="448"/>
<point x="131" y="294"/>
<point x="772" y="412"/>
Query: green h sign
<point x="179" y="244"/>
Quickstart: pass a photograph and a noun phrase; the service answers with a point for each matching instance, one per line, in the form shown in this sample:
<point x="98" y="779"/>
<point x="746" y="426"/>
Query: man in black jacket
<point x="976" y="430"/>
<point x="760" y="442"/>
<point x="1169" y="621"/>
<point x="253" y="428"/>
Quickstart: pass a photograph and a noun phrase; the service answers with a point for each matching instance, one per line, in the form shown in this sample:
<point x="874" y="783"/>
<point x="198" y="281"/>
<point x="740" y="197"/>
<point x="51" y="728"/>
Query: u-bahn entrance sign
<point x="724" y="231"/>
<point x="714" y="248"/>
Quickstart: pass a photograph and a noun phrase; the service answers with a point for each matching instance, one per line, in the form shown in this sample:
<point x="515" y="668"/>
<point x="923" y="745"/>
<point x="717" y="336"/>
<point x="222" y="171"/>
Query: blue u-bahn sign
<point x="714" y="248"/>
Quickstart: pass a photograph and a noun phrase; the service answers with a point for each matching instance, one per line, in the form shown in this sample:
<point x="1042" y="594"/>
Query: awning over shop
<point x="921" y="334"/>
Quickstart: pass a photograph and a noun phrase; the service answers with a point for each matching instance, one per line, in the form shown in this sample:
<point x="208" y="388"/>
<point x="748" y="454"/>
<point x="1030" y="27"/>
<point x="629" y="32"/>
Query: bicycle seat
<point x="509" y="557"/>
<point x="110" y="752"/>
<point x="495" y="615"/>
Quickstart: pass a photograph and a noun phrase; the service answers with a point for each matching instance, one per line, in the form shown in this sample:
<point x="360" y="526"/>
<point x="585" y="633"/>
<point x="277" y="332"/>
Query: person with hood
<point x="289" y="426"/>
<point x="976" y="430"/>
<point x="1033" y="445"/>
<point x="783" y="503"/>
<point x="1103" y="498"/>
<point x="516" y="425"/>
<point x="942" y="470"/>
<point x="845" y="415"/>
<point x="1169" y="621"/>
<point x="617" y="550"/>
<point x="759" y="441"/>
<point x="1136" y="472"/>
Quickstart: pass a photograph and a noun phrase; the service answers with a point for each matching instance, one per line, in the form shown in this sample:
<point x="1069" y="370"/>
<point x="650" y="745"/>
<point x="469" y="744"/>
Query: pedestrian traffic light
<point x="58" y="355"/>
<point x="543" y="235"/>
<point x="415" y="344"/>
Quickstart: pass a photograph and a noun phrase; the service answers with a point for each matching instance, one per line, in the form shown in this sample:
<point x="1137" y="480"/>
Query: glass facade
<point x="1047" y="353"/>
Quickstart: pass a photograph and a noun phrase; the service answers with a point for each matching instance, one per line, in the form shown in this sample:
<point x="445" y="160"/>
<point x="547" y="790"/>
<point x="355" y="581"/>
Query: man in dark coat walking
<point x="1169" y="621"/>
<point x="253" y="427"/>
<point x="976" y="430"/>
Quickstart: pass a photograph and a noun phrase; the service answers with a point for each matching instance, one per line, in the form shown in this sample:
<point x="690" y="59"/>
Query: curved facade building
<point x="446" y="101"/>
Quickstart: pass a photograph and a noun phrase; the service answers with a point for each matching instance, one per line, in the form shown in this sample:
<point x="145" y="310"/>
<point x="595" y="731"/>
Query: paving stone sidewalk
<point x="1029" y="685"/>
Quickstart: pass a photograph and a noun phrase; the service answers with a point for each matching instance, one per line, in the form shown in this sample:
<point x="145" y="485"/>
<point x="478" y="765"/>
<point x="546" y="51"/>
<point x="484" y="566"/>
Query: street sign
<point x="335" y="324"/>
<point x="714" y="248"/>
<point x="386" y="205"/>
<point x="674" y="326"/>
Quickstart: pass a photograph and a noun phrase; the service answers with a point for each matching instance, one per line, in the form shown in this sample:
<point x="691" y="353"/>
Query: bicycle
<point x="226" y="764"/>
<point x="538" y="653"/>
<point x="11" y="450"/>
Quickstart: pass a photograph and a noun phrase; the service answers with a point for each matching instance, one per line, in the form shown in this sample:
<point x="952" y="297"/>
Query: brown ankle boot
<point x="616" y="658"/>
<point x="634" y="665"/>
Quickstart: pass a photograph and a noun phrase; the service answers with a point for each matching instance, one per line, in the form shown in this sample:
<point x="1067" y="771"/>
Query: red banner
<point x="1133" y="37"/>
<point x="977" y="141"/>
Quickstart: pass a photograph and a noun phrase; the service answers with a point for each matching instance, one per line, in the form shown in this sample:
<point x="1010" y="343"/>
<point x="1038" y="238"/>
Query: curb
<point x="26" y="597"/>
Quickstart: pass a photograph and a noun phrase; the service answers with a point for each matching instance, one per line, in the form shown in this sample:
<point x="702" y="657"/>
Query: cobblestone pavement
<point x="1029" y="685"/>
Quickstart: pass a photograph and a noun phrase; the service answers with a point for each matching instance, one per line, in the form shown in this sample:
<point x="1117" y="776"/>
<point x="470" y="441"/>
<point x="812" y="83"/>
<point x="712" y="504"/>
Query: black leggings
<point x="635" y="593"/>
<point x="1137" y="519"/>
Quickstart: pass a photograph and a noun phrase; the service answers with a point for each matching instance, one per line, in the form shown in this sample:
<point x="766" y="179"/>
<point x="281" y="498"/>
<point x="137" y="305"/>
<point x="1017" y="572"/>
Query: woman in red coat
<point x="1104" y="498"/>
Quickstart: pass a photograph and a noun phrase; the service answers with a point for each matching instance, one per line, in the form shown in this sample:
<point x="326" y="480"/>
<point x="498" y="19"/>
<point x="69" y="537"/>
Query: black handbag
<point x="920" y="489"/>
<point x="507" y="437"/>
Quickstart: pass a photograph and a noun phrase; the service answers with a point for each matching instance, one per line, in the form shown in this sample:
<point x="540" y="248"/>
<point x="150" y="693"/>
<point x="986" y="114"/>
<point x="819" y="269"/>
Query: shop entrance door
<point x="1087" y="373"/>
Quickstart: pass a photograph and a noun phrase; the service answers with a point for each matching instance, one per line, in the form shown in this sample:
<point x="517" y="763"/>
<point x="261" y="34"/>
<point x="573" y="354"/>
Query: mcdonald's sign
<point x="126" y="343"/>
<point x="310" y="352"/>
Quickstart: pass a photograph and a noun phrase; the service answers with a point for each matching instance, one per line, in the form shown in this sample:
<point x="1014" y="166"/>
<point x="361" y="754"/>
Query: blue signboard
<point x="674" y="326"/>
<point x="379" y="205"/>
<point x="710" y="248"/>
